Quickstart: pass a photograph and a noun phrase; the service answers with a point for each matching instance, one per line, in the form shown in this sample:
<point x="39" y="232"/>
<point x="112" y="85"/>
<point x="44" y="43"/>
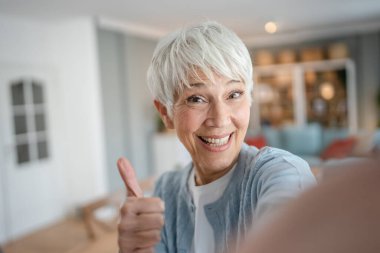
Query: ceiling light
<point x="327" y="90"/>
<point x="271" y="27"/>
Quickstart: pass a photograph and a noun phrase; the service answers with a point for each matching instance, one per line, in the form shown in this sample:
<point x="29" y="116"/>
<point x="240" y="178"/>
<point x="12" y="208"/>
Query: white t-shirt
<point x="204" y="240"/>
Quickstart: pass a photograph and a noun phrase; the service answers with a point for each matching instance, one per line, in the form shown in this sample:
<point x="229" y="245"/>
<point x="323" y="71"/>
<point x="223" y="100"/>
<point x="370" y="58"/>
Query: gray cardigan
<point x="263" y="180"/>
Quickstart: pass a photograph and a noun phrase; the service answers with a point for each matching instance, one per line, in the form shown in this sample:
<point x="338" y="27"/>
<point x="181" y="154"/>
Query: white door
<point x="31" y="183"/>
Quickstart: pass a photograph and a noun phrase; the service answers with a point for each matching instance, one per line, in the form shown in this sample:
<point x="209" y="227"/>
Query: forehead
<point x="199" y="78"/>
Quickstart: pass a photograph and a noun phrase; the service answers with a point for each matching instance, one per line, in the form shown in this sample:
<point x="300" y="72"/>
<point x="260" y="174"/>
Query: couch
<point x="316" y="144"/>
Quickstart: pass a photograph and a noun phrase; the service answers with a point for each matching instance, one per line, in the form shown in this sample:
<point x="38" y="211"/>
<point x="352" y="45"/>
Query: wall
<point x="75" y="51"/>
<point x="368" y="69"/>
<point x="138" y="54"/>
<point x="112" y="66"/>
<point x="3" y="232"/>
<point x="127" y="103"/>
<point x="68" y="47"/>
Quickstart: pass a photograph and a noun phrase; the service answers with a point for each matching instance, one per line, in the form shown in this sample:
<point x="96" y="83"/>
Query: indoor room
<point x="74" y="98"/>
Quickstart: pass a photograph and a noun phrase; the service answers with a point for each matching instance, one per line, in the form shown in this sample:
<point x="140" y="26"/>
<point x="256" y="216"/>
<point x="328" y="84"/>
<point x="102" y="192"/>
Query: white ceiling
<point x="297" y="19"/>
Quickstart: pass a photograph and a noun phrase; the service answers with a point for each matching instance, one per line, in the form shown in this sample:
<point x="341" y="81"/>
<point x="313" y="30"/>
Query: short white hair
<point x="208" y="47"/>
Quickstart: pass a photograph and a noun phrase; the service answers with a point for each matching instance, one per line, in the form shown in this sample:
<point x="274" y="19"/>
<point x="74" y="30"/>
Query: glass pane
<point x="20" y="124"/>
<point x="42" y="149"/>
<point x="40" y="122"/>
<point x="22" y="153"/>
<point x="17" y="90"/>
<point x="326" y="97"/>
<point x="275" y="96"/>
<point x="37" y="93"/>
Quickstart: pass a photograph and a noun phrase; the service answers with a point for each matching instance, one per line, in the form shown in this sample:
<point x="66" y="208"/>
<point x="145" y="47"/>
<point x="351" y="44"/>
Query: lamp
<point x="327" y="90"/>
<point x="271" y="27"/>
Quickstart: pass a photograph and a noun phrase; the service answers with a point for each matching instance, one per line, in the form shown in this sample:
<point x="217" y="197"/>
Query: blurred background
<point x="73" y="98"/>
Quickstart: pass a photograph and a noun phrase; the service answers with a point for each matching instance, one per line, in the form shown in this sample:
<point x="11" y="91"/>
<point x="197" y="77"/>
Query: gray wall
<point x="138" y="55"/>
<point x="368" y="72"/>
<point x="127" y="104"/>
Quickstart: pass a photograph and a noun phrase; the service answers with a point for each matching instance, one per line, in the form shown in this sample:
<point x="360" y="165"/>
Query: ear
<point x="164" y="114"/>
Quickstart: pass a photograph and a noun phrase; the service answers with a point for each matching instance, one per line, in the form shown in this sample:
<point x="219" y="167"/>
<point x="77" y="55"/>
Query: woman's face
<point x="211" y="120"/>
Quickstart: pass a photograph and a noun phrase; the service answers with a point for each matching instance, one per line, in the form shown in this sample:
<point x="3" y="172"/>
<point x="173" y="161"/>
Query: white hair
<point x="208" y="47"/>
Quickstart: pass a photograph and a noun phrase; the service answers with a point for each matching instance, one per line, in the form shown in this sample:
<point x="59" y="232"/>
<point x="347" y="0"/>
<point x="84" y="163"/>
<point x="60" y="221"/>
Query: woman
<point x="201" y="80"/>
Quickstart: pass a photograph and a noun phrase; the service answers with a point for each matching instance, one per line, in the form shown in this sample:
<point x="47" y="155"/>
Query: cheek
<point x="187" y="121"/>
<point x="242" y="115"/>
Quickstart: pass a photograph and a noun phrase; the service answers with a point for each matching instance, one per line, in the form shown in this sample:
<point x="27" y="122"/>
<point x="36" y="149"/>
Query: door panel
<point x="32" y="187"/>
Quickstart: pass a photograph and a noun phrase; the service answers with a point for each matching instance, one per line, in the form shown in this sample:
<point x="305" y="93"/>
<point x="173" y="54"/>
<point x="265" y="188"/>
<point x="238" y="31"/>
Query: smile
<point x="215" y="142"/>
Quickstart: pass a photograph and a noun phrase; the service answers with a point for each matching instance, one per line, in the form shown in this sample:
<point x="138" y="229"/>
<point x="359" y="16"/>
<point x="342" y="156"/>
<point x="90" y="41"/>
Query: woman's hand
<point x="141" y="218"/>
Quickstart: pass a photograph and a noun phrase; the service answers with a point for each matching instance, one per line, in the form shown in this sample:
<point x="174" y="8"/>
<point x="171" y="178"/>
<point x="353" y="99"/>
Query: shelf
<point x="301" y="93"/>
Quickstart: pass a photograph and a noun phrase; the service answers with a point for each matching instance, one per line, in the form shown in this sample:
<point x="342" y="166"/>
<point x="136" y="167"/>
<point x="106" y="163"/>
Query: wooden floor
<point x="68" y="236"/>
<point x="71" y="236"/>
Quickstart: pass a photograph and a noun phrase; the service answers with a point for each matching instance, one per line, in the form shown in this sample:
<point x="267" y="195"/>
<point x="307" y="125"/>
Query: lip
<point x="215" y="136"/>
<point x="218" y="148"/>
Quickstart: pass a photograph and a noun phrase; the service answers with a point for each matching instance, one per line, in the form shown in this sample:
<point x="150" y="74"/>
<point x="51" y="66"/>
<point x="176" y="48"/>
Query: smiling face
<point x="211" y="119"/>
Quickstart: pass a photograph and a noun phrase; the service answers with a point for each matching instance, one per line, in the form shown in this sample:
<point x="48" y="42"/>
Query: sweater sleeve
<point x="282" y="176"/>
<point x="161" y="247"/>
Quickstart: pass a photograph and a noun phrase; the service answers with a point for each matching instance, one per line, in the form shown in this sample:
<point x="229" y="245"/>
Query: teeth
<point x="216" y="142"/>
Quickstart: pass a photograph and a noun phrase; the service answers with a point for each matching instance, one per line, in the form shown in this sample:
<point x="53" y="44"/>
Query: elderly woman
<point x="201" y="80"/>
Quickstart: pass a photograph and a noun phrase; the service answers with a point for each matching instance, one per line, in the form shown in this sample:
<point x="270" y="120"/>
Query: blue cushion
<point x="272" y="136"/>
<point x="303" y="140"/>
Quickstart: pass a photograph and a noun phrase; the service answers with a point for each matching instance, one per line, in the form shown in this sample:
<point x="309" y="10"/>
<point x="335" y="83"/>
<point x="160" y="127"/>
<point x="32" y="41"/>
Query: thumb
<point x="128" y="175"/>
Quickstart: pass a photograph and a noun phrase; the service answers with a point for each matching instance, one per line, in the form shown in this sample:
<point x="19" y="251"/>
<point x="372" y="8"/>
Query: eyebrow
<point x="198" y="85"/>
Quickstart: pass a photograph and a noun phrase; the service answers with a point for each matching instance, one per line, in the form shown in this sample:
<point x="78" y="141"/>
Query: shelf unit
<point x="285" y="91"/>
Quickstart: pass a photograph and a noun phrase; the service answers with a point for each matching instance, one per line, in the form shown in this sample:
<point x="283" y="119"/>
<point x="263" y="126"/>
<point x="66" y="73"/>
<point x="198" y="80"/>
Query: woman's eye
<point x="235" y="94"/>
<point x="195" y="100"/>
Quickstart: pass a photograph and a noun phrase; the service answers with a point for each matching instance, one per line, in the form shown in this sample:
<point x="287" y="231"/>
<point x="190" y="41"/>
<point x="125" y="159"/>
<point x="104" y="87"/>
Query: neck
<point x="203" y="178"/>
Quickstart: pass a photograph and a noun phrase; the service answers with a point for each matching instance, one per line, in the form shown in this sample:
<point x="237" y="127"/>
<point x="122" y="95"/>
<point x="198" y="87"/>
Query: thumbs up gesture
<point x="141" y="218"/>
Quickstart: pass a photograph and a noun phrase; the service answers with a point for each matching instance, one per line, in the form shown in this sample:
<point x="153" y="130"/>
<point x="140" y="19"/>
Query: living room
<point x="316" y="71"/>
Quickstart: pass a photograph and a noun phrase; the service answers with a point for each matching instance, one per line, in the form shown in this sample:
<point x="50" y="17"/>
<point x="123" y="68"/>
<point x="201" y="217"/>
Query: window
<point x="29" y="120"/>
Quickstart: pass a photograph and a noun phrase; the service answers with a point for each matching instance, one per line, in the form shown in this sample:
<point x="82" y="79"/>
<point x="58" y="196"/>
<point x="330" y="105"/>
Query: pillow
<point x="257" y="141"/>
<point x="272" y="136"/>
<point x="302" y="140"/>
<point x="339" y="148"/>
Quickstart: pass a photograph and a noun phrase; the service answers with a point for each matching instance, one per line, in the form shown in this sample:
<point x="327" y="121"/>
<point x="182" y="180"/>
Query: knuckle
<point x="127" y="225"/>
<point x="155" y="200"/>
<point x="162" y="205"/>
<point x="160" y="221"/>
<point x="157" y="236"/>
<point x="158" y="204"/>
<point x="126" y="209"/>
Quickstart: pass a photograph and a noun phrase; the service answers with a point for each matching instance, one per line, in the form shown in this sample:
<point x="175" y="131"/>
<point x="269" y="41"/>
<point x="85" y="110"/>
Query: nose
<point x="218" y="115"/>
